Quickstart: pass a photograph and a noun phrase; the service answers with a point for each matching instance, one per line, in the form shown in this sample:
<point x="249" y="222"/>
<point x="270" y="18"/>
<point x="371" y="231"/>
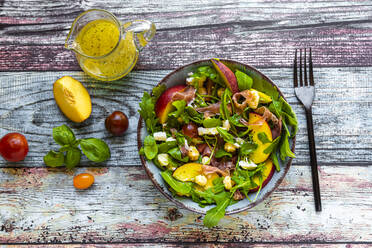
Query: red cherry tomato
<point x="13" y="147"/>
<point x="117" y="123"/>
<point x="190" y="130"/>
<point x="83" y="181"/>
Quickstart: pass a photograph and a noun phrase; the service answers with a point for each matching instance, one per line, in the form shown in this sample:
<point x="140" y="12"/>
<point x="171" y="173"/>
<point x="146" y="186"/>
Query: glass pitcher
<point x="106" y="49"/>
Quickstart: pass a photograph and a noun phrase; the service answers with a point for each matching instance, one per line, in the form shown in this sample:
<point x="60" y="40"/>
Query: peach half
<point x="258" y="125"/>
<point x="227" y="75"/>
<point x="267" y="174"/>
<point x="164" y="105"/>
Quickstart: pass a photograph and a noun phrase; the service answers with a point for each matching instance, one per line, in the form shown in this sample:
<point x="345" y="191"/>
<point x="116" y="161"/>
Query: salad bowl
<point x="179" y="76"/>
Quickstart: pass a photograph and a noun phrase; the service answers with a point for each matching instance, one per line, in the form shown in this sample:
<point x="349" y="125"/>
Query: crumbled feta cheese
<point x="236" y="145"/>
<point x="201" y="180"/>
<point x="190" y="74"/>
<point x="226" y="125"/>
<point x="163" y="159"/>
<point x="240" y="141"/>
<point x="170" y="139"/>
<point x="207" y="131"/>
<point x="227" y="182"/>
<point x="160" y="136"/>
<point x="247" y="165"/>
<point x="189" y="79"/>
<point x="205" y="160"/>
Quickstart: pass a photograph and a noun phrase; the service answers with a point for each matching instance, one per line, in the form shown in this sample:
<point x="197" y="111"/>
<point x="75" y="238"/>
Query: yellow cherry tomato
<point x="83" y="181"/>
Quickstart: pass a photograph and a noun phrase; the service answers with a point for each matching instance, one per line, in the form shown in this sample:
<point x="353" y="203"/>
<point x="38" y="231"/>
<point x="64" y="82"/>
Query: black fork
<point x="305" y="92"/>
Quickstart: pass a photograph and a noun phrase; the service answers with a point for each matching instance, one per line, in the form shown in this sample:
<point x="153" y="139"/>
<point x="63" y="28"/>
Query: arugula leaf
<point x="247" y="148"/>
<point x="244" y="81"/>
<point x="150" y="147"/>
<point x="176" y="153"/>
<point x="180" y="107"/>
<point x="178" y="186"/>
<point x="275" y="160"/>
<point x="235" y="120"/>
<point x="147" y="111"/>
<point x="157" y="91"/>
<point x="272" y="146"/>
<point x="263" y="138"/>
<point x="225" y="135"/>
<point x="211" y="122"/>
<point x="224" y="111"/>
<point x="215" y="214"/>
<point x="194" y="115"/>
<point x="221" y="153"/>
<point x="285" y="150"/>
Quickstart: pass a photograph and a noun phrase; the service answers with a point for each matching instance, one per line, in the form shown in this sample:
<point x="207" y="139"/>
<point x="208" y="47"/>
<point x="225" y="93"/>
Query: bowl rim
<point x="179" y="203"/>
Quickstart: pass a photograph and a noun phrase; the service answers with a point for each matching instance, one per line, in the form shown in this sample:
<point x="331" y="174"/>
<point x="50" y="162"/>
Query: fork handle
<point x="313" y="161"/>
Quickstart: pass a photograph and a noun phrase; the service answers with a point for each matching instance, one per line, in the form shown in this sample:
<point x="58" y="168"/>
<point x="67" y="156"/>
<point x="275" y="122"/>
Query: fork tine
<point x="305" y="72"/>
<point x="301" y="79"/>
<point x="311" y="75"/>
<point x="295" y="80"/>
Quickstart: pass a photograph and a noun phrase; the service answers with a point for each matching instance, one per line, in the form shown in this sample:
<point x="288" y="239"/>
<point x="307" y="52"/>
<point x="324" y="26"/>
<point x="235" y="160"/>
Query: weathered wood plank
<point x="343" y="127"/>
<point x="201" y="245"/>
<point x="41" y="205"/>
<point x="262" y="33"/>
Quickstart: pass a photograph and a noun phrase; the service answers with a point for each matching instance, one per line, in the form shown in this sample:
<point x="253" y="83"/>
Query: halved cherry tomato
<point x="13" y="147"/>
<point x="83" y="181"/>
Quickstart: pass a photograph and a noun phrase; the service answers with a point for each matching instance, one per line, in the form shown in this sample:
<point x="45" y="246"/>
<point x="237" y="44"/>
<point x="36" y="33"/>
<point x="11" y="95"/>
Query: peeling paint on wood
<point x="261" y="33"/>
<point x="118" y="209"/>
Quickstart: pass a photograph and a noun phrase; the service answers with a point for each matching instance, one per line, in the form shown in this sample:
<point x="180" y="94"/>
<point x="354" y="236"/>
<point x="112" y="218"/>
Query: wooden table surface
<point x="39" y="205"/>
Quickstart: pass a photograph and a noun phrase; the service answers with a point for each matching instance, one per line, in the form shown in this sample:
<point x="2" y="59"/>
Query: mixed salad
<point x="218" y="137"/>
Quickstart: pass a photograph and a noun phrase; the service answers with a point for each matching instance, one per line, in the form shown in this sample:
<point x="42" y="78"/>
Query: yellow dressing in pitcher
<point x="101" y="38"/>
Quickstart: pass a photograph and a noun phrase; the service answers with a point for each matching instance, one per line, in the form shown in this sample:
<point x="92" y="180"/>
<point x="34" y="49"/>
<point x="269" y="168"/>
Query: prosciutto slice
<point x="268" y="116"/>
<point x="210" y="169"/>
<point x="187" y="94"/>
<point x="210" y="110"/>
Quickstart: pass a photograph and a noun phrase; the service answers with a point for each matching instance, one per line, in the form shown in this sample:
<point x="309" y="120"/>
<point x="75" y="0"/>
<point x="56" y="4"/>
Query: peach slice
<point x="187" y="172"/>
<point x="258" y="125"/>
<point x="227" y="75"/>
<point x="164" y="105"/>
<point x="72" y="98"/>
<point x="267" y="174"/>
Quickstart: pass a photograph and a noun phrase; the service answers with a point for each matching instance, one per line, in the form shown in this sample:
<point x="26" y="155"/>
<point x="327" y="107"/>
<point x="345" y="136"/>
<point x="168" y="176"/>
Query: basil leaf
<point x="72" y="158"/>
<point x="211" y="122"/>
<point x="225" y="135"/>
<point x="63" y="135"/>
<point x="54" y="159"/>
<point x="150" y="147"/>
<point x="221" y="153"/>
<point x="247" y="148"/>
<point x="96" y="150"/>
<point x="263" y="138"/>
<point x="215" y="214"/>
<point x="164" y="147"/>
<point x="245" y="82"/>
<point x="176" y="153"/>
<point x="180" y="187"/>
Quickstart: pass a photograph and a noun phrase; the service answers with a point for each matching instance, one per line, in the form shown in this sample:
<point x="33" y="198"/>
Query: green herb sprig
<point x="69" y="153"/>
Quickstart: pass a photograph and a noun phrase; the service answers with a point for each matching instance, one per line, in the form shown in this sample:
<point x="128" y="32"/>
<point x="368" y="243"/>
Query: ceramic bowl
<point x="179" y="76"/>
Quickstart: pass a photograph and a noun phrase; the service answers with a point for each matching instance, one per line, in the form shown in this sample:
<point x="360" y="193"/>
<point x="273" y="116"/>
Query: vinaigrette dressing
<point x="101" y="38"/>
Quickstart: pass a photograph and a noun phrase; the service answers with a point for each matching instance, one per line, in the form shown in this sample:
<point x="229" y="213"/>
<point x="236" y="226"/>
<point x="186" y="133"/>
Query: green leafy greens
<point x="69" y="154"/>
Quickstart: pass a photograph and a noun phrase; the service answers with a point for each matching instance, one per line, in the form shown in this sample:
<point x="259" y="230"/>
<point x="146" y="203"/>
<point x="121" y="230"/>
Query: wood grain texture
<point x="263" y="33"/>
<point x="343" y="128"/>
<point x="41" y="205"/>
<point x="199" y="245"/>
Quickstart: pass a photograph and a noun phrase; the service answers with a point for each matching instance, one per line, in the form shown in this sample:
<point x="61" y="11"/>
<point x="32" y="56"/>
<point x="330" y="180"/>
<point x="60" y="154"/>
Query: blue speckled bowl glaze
<point x="178" y="76"/>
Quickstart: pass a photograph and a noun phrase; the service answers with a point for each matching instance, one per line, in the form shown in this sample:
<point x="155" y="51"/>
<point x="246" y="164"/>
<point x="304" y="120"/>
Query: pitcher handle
<point x="143" y="31"/>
